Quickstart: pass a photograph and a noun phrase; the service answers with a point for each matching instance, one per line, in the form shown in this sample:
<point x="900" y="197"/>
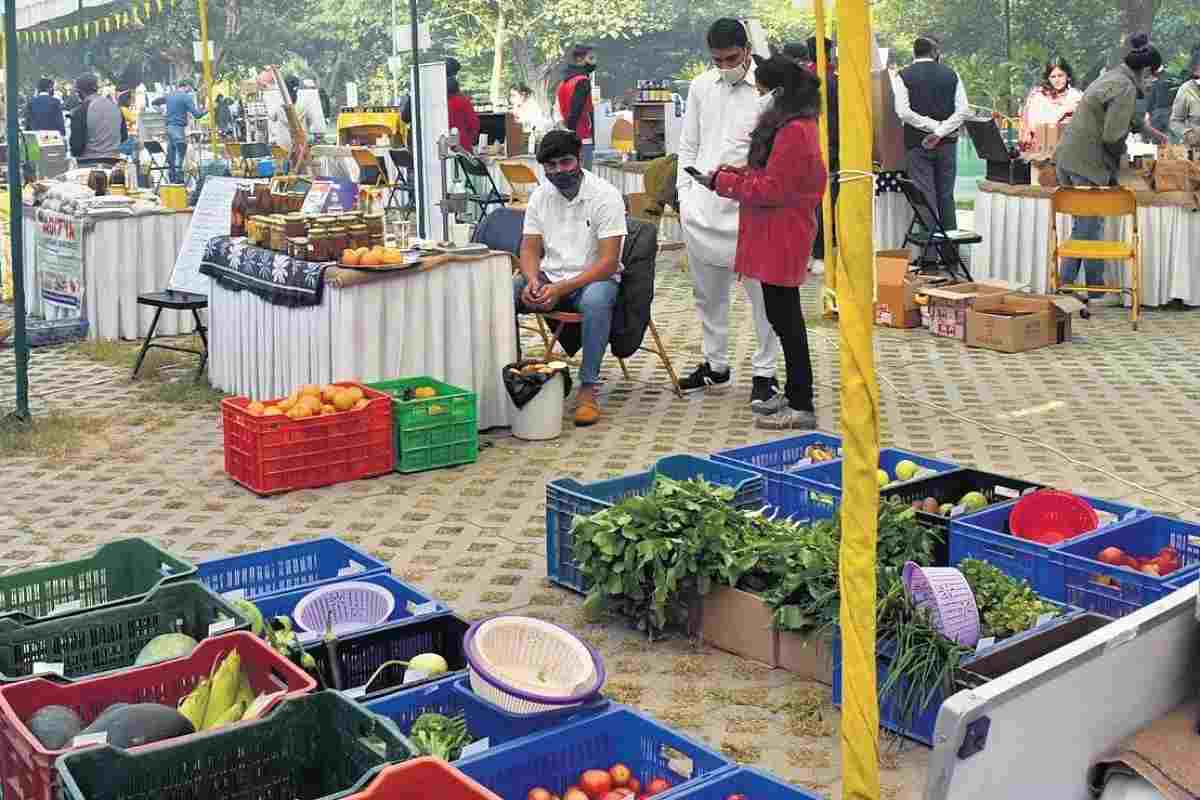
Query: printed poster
<point x="59" y="254"/>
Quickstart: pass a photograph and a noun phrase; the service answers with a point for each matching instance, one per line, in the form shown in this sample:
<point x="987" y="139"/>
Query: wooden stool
<point x="176" y="301"/>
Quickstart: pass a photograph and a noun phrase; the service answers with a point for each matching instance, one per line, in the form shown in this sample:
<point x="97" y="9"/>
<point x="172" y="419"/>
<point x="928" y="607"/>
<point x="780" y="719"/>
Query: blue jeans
<point x="1085" y="229"/>
<point x="176" y="150"/>
<point x="595" y="302"/>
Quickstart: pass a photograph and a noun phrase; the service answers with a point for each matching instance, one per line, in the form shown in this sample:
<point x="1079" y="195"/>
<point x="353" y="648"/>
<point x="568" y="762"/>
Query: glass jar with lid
<point x="318" y="244"/>
<point x="374" y="223"/>
<point x="341" y="239"/>
<point x="298" y="247"/>
<point x="295" y="225"/>
<point x="359" y="237"/>
<point x="278" y="236"/>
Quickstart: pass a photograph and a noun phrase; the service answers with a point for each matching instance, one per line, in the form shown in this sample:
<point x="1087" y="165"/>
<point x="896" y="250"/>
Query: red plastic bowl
<point x="1049" y="516"/>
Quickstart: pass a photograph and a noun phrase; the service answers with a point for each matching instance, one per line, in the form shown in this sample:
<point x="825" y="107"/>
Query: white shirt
<point x="922" y="123"/>
<point x="716" y="130"/>
<point x="571" y="230"/>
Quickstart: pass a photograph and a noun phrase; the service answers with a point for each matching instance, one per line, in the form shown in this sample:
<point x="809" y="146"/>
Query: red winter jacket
<point x="777" y="216"/>
<point x="461" y="114"/>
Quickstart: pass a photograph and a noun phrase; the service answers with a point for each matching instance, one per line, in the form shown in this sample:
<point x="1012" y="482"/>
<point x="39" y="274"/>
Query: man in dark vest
<point x="932" y="103"/>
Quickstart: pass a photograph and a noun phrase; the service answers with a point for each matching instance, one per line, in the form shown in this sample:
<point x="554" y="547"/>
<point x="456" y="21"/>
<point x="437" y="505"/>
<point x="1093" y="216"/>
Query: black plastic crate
<point x="949" y="487"/>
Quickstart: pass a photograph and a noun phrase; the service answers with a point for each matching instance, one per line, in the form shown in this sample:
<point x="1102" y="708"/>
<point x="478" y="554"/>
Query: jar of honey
<point x="295" y="225"/>
<point x="374" y="223"/>
<point x="298" y="247"/>
<point x="340" y="239"/>
<point x="278" y="236"/>
<point x="319" y="245"/>
<point x="358" y="236"/>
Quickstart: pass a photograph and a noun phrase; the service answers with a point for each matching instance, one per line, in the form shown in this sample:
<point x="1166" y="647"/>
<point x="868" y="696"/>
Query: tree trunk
<point x="330" y="82"/>
<point x="536" y="75"/>
<point x="1137" y="16"/>
<point x="497" y="55"/>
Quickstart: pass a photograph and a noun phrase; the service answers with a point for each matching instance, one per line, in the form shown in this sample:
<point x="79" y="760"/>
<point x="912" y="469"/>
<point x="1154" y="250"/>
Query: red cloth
<point x="461" y="113"/>
<point x="777" y="216"/>
<point x="566" y="95"/>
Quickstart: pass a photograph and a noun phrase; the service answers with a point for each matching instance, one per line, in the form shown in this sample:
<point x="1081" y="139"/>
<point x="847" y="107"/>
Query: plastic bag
<point x="523" y="383"/>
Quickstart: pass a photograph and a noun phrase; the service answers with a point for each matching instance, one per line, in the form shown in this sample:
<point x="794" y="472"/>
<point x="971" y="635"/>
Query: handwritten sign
<point x="210" y="218"/>
<point x="317" y="197"/>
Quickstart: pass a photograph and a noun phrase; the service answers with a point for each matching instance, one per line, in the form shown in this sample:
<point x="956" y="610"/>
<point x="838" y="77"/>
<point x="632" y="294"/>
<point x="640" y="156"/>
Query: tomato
<point x="1150" y="569"/>
<point x="634" y="785"/>
<point x="539" y="793"/>
<point x="595" y="783"/>
<point x="1111" y="555"/>
<point x="736" y="797"/>
<point x="574" y="793"/>
<point x="617" y="794"/>
<point x="657" y="786"/>
<point x="620" y="774"/>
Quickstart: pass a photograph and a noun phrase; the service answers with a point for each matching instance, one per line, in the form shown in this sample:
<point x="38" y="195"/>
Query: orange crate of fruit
<point x="268" y="451"/>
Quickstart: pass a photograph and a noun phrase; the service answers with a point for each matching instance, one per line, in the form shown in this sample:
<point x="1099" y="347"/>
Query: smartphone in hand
<point x="699" y="176"/>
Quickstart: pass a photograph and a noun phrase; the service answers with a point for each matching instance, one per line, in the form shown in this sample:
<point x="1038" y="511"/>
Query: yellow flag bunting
<point x="135" y="17"/>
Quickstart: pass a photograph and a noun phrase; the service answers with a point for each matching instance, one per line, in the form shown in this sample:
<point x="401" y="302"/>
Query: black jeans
<point x="787" y="318"/>
<point x="934" y="172"/>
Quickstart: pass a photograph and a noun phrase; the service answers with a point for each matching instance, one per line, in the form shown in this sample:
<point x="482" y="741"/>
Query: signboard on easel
<point x="210" y="218"/>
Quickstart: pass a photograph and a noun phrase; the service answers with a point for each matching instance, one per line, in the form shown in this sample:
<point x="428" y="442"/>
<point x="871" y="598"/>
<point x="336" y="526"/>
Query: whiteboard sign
<point x="318" y="194"/>
<point x="210" y="218"/>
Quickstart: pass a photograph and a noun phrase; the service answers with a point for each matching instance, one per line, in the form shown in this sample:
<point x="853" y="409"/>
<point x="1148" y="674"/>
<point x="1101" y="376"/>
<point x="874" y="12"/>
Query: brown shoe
<point x="587" y="413"/>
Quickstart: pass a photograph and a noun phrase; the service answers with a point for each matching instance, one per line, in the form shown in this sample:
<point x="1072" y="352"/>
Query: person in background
<point x="461" y="114"/>
<point x="574" y="97"/>
<point x="224" y="118"/>
<point x="778" y="193"/>
<point x="97" y="127"/>
<point x="308" y="108"/>
<point x="571" y="255"/>
<point x="129" y="114"/>
<point x="1185" y="111"/>
<point x="807" y="54"/>
<point x="45" y="111"/>
<point x="1052" y="101"/>
<point x="722" y="109"/>
<point x="931" y="101"/>
<point x="1092" y="148"/>
<point x="180" y="108"/>
<point x="522" y="105"/>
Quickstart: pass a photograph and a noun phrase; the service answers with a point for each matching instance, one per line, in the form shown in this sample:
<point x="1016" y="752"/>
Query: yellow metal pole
<point x="860" y="409"/>
<point x="206" y="62"/>
<point x="823" y="121"/>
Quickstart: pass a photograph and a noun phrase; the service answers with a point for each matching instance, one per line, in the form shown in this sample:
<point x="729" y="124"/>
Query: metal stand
<point x="451" y="203"/>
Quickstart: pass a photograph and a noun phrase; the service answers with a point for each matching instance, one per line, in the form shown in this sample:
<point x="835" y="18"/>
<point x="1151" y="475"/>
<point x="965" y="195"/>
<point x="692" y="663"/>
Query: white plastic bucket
<point x="541" y="418"/>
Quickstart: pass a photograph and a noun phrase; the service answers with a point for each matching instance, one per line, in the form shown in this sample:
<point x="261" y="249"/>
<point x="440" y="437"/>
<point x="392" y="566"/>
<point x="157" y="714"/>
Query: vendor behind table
<point x="1185" y="111"/>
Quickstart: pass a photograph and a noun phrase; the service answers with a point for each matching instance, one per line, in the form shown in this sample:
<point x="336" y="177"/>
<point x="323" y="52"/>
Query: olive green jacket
<point x="1185" y="112"/>
<point x="1094" y="142"/>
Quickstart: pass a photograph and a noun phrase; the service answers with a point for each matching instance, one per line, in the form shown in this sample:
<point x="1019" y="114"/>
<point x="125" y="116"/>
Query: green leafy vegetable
<point x="1007" y="606"/>
<point x="440" y="736"/>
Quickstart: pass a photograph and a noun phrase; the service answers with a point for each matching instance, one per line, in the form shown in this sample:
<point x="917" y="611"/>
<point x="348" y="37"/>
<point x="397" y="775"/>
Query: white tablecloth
<point x="892" y="217"/>
<point x="122" y="258"/>
<point x="1016" y="231"/>
<point x="454" y="323"/>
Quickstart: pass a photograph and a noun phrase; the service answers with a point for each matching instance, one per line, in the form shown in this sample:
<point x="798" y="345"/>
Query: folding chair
<point x="1097" y="202"/>
<point x="473" y="170"/>
<point x="402" y="160"/>
<point x="159" y="168"/>
<point x="179" y="301"/>
<point x="927" y="232"/>
<point x="565" y="318"/>
<point x="519" y="175"/>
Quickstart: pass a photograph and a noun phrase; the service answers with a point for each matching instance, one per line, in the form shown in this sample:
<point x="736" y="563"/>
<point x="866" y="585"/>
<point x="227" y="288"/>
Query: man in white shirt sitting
<point x="571" y="255"/>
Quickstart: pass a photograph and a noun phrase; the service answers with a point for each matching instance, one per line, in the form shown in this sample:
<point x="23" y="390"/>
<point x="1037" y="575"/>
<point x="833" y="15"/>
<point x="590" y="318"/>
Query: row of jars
<point x="315" y="238"/>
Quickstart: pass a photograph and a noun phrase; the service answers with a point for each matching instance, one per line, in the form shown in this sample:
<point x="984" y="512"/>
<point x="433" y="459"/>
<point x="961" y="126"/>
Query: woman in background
<point x="1053" y="100"/>
<point x="779" y="191"/>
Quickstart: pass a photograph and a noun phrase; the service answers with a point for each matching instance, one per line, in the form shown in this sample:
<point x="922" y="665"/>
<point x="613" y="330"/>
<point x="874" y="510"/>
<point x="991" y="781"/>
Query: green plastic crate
<point x="316" y="746"/>
<point x="118" y="572"/>
<point x="437" y="432"/>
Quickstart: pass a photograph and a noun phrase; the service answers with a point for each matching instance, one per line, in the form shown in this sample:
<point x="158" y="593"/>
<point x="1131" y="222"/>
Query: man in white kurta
<point x="722" y="109"/>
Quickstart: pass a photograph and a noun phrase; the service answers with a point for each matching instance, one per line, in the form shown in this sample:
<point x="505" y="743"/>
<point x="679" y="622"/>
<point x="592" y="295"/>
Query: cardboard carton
<point x="739" y="622"/>
<point x="896" y="290"/>
<point x="810" y="657"/>
<point x="1014" y="323"/>
<point x="948" y="305"/>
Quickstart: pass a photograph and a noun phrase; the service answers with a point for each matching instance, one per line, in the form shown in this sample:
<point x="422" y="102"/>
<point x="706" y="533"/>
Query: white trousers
<point x="711" y="284"/>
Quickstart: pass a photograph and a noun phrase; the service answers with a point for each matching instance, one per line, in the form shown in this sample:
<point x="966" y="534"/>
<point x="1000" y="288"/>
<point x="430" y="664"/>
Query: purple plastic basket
<point x="518" y="700"/>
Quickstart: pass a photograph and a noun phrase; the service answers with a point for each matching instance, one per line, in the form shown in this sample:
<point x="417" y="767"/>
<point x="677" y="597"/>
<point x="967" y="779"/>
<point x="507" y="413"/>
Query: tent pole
<point x="16" y="222"/>
<point x="206" y="62"/>
<point x="860" y="408"/>
<point x="823" y="120"/>
<point x="415" y="105"/>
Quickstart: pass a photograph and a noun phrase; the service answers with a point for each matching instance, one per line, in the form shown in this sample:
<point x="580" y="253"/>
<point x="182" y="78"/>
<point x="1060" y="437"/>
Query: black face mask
<point x="589" y="68"/>
<point x="567" y="183"/>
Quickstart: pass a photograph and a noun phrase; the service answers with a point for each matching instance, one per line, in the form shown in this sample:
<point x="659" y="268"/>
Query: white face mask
<point x="767" y="100"/>
<point x="735" y="74"/>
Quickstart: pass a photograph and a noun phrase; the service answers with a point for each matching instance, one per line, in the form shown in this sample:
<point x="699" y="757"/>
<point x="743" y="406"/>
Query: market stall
<point x="278" y="323"/>
<point x="1014" y="222"/>
<point x="122" y="257"/>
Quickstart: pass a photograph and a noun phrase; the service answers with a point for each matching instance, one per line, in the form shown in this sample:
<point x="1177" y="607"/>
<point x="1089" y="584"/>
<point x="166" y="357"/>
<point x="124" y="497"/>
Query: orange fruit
<point x="256" y="408"/>
<point x="343" y="400"/>
<point x="424" y="392"/>
<point x="371" y="260"/>
<point x="392" y="256"/>
<point x="327" y="392"/>
<point x="273" y="411"/>
<point x="313" y="403"/>
<point x="300" y="411"/>
<point x="355" y="392"/>
<point x="310" y="390"/>
<point x="285" y="405"/>
<point x="350" y="257"/>
<point x="328" y="409"/>
<point x="362" y="251"/>
<point x="361" y="404"/>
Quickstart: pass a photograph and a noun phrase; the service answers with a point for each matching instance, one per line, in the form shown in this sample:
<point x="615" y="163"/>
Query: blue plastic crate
<point x="555" y="759"/>
<point x="821" y="485"/>
<point x="291" y="566"/>
<point x="779" y="462"/>
<point x="567" y="498"/>
<point x="752" y="783"/>
<point x="1117" y="591"/>
<point x="283" y="604"/>
<point x="986" y="536"/>
<point x="920" y="727"/>
<point x="485" y="720"/>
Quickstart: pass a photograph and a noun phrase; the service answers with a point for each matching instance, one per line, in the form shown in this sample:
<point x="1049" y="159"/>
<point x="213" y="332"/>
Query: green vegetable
<point x="440" y="736"/>
<point x="1007" y="606"/>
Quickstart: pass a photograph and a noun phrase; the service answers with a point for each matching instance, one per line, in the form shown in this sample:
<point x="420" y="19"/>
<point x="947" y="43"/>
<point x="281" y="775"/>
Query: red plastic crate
<point x="275" y="454"/>
<point x="422" y="778"/>
<point x="27" y="768"/>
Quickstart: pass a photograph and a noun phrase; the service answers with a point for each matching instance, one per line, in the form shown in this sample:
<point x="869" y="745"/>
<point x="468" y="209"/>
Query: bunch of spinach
<point x="1007" y="606"/>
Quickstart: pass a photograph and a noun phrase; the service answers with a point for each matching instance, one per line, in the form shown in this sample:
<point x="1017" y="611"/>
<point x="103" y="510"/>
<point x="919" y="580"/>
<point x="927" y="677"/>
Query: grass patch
<point x="55" y="435"/>
<point x="165" y="378"/>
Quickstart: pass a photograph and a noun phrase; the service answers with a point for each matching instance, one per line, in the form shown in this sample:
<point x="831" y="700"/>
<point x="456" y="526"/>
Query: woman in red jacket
<point x="779" y="192"/>
<point x="461" y="114"/>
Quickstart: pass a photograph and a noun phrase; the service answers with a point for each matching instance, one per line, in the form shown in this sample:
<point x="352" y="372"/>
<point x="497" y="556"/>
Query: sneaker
<point x="704" y="378"/>
<point x="765" y="397"/>
<point x="788" y="419"/>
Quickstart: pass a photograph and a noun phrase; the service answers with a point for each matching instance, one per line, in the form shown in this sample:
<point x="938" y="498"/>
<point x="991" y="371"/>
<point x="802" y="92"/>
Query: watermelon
<point x="165" y="647"/>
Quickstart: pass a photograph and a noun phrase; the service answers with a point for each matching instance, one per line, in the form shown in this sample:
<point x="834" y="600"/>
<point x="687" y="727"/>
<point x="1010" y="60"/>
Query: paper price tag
<point x="48" y="668"/>
<point x="355" y="693"/>
<point x="475" y="747"/>
<point x="414" y="675"/>
<point x="260" y="705"/>
<point x="958" y="511"/>
<point x="1030" y="490"/>
<point x="417" y="609"/>
<point x="804" y="462"/>
<point x="985" y="643"/>
<point x="235" y="594"/>
<point x="87" y="739"/>
<point x="70" y="605"/>
<point x="165" y="569"/>
<point x="1044" y="618"/>
<point x="352" y="568"/>
<point x="1006" y="492"/>
<point x="221" y="625"/>
<point x="1130" y="514"/>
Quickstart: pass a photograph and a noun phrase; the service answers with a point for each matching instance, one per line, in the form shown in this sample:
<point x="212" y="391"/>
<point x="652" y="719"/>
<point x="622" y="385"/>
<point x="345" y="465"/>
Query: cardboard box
<point x="811" y="658"/>
<point x="740" y="623"/>
<point x="1014" y="323"/>
<point x="948" y="305"/>
<point x="896" y="290"/>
